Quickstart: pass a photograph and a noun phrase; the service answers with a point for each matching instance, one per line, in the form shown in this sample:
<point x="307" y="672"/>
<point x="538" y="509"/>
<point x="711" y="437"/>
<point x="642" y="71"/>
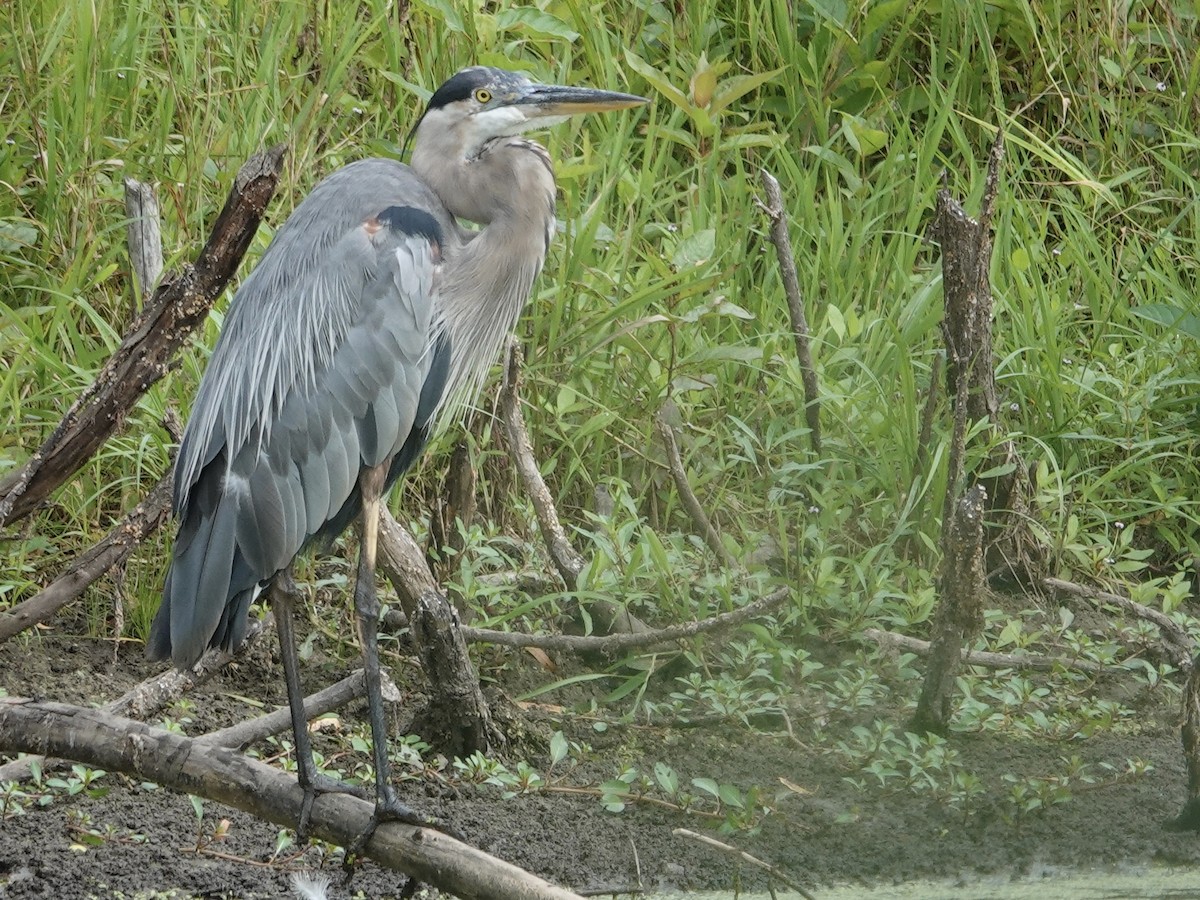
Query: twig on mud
<point x="568" y="562"/>
<point x="690" y="501"/>
<point x="323" y="701"/>
<point x="1179" y="645"/>
<point x="990" y="660"/>
<point x="145" y="699"/>
<point x="97" y="739"/>
<point x="742" y="855"/>
<point x="617" y="642"/>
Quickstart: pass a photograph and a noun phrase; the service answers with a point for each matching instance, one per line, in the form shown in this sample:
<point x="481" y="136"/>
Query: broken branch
<point x="690" y="501"/>
<point x="178" y="306"/>
<point x="616" y="642"/>
<point x="782" y="241"/>
<point x="987" y="659"/>
<point x="90" y="565"/>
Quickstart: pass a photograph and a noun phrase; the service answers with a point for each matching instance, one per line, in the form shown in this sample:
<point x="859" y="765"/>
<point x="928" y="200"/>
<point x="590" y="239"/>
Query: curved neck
<point x="508" y="187"/>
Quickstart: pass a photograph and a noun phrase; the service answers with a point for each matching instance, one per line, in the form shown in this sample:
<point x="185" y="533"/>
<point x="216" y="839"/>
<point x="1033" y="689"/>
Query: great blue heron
<point x="371" y="313"/>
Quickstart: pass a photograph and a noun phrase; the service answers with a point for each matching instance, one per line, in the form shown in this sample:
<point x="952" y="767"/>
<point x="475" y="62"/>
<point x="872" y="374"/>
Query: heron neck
<point x="487" y="281"/>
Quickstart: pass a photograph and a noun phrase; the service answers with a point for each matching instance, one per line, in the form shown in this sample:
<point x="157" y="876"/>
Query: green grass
<point x="662" y="290"/>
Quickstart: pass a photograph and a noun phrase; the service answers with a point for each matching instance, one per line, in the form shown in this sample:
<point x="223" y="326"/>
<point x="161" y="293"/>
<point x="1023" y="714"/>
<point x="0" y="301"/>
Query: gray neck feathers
<point x="509" y="188"/>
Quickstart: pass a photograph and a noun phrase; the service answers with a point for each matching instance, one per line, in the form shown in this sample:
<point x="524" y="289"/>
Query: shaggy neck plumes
<point x="508" y="187"/>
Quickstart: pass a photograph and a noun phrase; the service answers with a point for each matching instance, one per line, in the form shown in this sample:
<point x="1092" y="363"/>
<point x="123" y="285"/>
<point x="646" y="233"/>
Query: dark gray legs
<point x="388" y="807"/>
<point x="283" y="595"/>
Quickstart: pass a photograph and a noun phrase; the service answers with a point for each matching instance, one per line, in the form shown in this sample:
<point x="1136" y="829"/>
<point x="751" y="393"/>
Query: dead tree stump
<point x="457" y="720"/>
<point x="959" y="616"/>
<point x="966" y="247"/>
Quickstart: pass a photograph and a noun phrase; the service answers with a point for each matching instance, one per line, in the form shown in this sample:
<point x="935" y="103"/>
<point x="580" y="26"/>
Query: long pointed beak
<point x="541" y="100"/>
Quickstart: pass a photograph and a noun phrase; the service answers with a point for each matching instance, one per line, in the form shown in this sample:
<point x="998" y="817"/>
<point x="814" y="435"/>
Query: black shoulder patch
<point x="410" y="220"/>
<point x="460" y="86"/>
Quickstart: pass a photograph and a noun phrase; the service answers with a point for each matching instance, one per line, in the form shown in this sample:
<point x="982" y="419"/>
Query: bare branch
<point x="690" y="502"/>
<point x="280" y="720"/>
<point x="617" y="642"/>
<point x="990" y="660"/>
<point x="743" y="856"/>
<point x="1179" y="645"/>
<point x="90" y="565"/>
<point x="568" y="562"/>
<point x="98" y="739"/>
<point x="775" y="211"/>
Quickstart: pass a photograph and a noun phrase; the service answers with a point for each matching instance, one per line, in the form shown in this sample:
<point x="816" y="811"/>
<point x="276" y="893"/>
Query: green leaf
<point x="1170" y="316"/>
<point x="836" y="321"/>
<point x="708" y="786"/>
<point x="695" y="249"/>
<point x="1019" y="260"/>
<point x="1010" y="635"/>
<point x="530" y="18"/>
<point x="658" y="81"/>
<point x="614" y="788"/>
<point x="862" y="137"/>
<point x="444" y="11"/>
<point x="730" y="89"/>
<point x="658" y="553"/>
<point x="667" y="778"/>
<point x="558" y="748"/>
<point x="731" y="796"/>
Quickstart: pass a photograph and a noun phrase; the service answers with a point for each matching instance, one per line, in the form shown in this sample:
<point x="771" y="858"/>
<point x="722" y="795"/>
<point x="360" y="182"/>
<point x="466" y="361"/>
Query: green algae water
<point x="1123" y="884"/>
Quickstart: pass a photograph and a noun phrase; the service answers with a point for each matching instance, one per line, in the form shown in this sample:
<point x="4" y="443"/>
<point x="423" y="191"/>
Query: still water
<point x="1123" y="884"/>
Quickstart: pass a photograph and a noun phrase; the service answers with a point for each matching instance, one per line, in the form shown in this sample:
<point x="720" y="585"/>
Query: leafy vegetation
<point x="662" y="296"/>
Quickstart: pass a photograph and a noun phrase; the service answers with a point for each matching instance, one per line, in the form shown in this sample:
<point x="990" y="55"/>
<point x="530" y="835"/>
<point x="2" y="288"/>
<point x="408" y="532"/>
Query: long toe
<point x="313" y="787"/>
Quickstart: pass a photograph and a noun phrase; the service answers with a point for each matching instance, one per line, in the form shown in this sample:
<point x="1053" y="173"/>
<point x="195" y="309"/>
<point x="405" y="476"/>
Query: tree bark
<point x="1189" y="818"/>
<point x="959" y="616"/>
<point x="97" y="739"/>
<point x="966" y="247"/>
<point x="457" y="719"/>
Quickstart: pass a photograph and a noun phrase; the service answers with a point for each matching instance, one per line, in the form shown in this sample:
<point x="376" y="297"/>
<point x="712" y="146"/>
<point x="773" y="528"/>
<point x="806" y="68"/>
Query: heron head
<point x="482" y="103"/>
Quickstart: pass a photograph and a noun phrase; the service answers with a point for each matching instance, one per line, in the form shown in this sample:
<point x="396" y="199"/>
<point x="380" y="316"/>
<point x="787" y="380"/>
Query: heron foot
<point x="389" y="808"/>
<point x="314" y="785"/>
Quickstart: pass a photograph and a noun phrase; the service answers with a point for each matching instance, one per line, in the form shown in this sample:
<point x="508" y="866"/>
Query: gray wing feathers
<point x="318" y="373"/>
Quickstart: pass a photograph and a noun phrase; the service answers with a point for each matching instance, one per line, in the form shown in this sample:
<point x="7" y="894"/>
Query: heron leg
<point x="388" y="807"/>
<point x="283" y="596"/>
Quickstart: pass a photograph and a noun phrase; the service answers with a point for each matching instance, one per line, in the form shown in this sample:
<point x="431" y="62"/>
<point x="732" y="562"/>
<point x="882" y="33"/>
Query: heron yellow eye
<point x="483" y="95"/>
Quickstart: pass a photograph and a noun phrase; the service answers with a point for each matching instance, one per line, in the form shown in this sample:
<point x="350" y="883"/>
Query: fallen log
<point x="95" y="738"/>
<point x="147" y="698"/>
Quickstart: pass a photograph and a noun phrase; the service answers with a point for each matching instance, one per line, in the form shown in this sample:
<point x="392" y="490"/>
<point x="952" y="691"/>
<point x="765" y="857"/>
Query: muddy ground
<point x="827" y="832"/>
